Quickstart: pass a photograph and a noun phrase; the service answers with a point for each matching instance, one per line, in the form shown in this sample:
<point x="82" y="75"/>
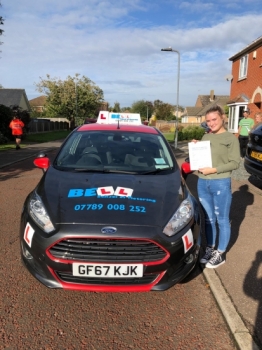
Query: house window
<point x="234" y="117"/>
<point x="243" y="67"/>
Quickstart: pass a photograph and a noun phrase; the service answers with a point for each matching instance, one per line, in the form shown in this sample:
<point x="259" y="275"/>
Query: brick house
<point x="196" y="114"/>
<point x="246" y="83"/>
<point x="38" y="104"/>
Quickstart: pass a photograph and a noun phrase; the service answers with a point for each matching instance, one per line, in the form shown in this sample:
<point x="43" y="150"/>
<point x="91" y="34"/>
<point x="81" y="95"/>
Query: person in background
<point x="245" y="125"/>
<point x="258" y="118"/>
<point x="214" y="186"/>
<point x="17" y="129"/>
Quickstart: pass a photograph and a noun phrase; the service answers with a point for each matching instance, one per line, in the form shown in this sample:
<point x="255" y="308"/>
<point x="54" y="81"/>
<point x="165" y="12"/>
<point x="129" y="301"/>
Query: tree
<point x="116" y="107"/>
<point x="6" y="117"/>
<point x="125" y="109"/>
<point x="73" y="98"/>
<point x="145" y="108"/>
<point x="163" y="110"/>
<point x="1" y="23"/>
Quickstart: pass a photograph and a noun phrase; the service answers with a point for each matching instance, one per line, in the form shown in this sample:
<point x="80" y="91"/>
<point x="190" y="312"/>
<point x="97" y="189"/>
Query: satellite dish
<point x="229" y="77"/>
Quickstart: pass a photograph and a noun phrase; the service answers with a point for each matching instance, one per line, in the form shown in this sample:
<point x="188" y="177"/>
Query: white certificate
<point x="200" y="155"/>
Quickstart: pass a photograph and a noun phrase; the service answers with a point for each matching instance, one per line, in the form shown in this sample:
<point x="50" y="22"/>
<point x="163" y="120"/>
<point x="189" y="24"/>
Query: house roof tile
<point x="221" y="100"/>
<point x="38" y="101"/>
<point x="252" y="46"/>
<point x="239" y="98"/>
<point x="12" y="97"/>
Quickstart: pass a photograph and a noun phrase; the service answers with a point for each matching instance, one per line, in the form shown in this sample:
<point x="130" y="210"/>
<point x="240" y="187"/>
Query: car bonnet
<point x="110" y="198"/>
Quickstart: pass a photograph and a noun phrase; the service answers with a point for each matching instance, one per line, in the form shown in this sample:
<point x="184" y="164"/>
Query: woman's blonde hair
<point x="216" y="108"/>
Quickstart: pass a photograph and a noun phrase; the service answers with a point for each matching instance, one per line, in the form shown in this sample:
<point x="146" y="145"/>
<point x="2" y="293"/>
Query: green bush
<point x="5" y="119"/>
<point x="3" y="139"/>
<point x="190" y="133"/>
<point x="180" y="136"/>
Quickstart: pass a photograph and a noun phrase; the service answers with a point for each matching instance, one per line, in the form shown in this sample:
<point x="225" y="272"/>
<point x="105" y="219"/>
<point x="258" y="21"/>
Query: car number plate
<point x="107" y="271"/>
<point x="256" y="155"/>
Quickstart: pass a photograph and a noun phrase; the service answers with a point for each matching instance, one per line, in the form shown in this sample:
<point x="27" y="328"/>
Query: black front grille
<point x="69" y="278"/>
<point x="107" y="250"/>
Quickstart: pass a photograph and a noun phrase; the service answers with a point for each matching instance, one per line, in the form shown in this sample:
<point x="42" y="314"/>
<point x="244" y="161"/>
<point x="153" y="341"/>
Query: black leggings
<point x="243" y="141"/>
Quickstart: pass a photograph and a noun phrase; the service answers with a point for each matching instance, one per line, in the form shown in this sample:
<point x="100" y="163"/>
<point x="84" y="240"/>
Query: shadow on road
<point x="15" y="170"/>
<point x="18" y="169"/>
<point x="252" y="288"/>
<point x="193" y="274"/>
<point x="240" y="200"/>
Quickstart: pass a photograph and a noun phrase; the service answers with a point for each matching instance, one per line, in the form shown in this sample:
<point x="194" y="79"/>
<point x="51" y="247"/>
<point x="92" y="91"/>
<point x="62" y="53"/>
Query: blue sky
<point x="117" y="44"/>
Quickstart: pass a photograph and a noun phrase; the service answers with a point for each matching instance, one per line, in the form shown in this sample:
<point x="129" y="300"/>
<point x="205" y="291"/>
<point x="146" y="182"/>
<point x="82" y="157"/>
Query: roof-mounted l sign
<point x="106" y="117"/>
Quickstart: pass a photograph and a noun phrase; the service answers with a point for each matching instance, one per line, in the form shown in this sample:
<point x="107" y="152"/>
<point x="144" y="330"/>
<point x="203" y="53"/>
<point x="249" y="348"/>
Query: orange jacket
<point x="17" y="127"/>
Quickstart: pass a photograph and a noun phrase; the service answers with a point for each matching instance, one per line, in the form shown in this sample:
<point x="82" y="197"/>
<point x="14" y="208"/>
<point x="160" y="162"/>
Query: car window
<point x="114" y="151"/>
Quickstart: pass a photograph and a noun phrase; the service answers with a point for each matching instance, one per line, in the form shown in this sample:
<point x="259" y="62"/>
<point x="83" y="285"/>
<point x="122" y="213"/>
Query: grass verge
<point x="37" y="138"/>
<point x="46" y="136"/>
<point x="170" y="136"/>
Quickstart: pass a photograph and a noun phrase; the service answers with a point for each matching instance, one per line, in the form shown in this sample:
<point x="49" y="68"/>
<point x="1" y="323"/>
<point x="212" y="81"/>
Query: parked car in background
<point x="205" y="127"/>
<point x="90" y="120"/>
<point x="253" y="158"/>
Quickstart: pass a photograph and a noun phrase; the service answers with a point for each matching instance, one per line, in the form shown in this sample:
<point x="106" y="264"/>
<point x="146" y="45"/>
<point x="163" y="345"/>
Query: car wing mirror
<point x="42" y="162"/>
<point x="185" y="168"/>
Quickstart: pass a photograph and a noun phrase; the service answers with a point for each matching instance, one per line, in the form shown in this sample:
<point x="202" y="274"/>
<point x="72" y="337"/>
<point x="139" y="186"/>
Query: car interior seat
<point x="90" y="159"/>
<point x="139" y="160"/>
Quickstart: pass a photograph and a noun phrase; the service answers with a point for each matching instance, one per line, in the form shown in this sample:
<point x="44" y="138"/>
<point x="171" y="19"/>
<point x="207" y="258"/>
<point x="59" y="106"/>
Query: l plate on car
<point x="256" y="155"/>
<point x="107" y="271"/>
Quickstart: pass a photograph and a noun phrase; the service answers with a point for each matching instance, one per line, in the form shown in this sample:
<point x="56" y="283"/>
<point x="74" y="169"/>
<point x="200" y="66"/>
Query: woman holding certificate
<point x="214" y="185"/>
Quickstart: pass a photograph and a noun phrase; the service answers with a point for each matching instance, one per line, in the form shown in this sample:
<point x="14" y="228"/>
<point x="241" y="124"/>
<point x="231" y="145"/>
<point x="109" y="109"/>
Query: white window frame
<point x="233" y="117"/>
<point x="243" y="67"/>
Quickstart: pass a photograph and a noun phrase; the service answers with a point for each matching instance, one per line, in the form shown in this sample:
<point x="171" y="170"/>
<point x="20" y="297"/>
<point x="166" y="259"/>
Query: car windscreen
<point x="115" y="151"/>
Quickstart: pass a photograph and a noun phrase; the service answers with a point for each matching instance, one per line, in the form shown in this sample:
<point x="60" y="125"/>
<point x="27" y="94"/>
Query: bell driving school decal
<point x="109" y="192"/>
<point x="28" y="234"/>
<point x="188" y="240"/>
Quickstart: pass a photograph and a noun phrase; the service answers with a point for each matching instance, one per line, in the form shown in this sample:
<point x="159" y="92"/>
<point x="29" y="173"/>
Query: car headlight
<point x="181" y="218"/>
<point x="39" y="214"/>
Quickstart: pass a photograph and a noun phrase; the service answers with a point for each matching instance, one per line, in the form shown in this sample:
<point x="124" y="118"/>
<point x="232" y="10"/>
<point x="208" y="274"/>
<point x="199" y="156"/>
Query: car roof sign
<point x="106" y="117"/>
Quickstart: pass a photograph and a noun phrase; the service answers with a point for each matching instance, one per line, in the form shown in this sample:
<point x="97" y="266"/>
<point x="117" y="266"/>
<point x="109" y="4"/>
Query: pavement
<point x="236" y="285"/>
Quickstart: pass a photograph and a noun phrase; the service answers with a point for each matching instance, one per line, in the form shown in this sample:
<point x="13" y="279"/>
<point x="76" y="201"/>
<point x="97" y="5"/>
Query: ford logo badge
<point x="108" y="229"/>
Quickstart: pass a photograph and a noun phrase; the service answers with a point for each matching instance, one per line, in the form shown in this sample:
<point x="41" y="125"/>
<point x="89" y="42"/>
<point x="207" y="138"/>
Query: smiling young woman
<point x="214" y="186"/>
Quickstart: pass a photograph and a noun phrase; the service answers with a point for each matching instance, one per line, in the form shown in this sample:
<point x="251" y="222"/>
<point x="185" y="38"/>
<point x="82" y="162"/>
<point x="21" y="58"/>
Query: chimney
<point x="212" y="95"/>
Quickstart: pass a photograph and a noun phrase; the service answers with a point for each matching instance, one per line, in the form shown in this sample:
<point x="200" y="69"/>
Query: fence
<point x="164" y="126"/>
<point x="45" y="125"/>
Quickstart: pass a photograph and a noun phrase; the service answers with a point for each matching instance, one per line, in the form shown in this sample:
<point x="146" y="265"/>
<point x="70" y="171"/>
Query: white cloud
<point x="109" y="42"/>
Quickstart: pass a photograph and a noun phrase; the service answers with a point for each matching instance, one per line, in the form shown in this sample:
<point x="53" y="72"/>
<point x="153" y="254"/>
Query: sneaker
<point x="216" y="260"/>
<point x="208" y="254"/>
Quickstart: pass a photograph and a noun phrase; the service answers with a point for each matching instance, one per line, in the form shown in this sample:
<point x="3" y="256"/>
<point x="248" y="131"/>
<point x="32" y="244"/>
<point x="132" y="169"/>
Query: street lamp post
<point x="76" y="101"/>
<point x="177" y="91"/>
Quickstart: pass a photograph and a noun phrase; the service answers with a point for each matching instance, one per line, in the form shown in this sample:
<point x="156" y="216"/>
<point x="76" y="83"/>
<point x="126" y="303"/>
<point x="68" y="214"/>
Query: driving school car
<point x="111" y="213"/>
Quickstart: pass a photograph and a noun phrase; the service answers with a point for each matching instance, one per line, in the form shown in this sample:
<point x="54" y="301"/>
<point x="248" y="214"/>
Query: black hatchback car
<point x="253" y="158"/>
<point x="111" y="213"/>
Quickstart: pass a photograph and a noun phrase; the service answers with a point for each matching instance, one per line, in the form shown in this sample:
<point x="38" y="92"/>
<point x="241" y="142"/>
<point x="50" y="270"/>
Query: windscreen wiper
<point x="156" y="171"/>
<point x="120" y="171"/>
<point x="105" y="171"/>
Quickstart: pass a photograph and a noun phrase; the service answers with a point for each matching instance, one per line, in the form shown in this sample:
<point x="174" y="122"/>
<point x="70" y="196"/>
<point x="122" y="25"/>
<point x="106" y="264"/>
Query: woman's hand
<point x="207" y="171"/>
